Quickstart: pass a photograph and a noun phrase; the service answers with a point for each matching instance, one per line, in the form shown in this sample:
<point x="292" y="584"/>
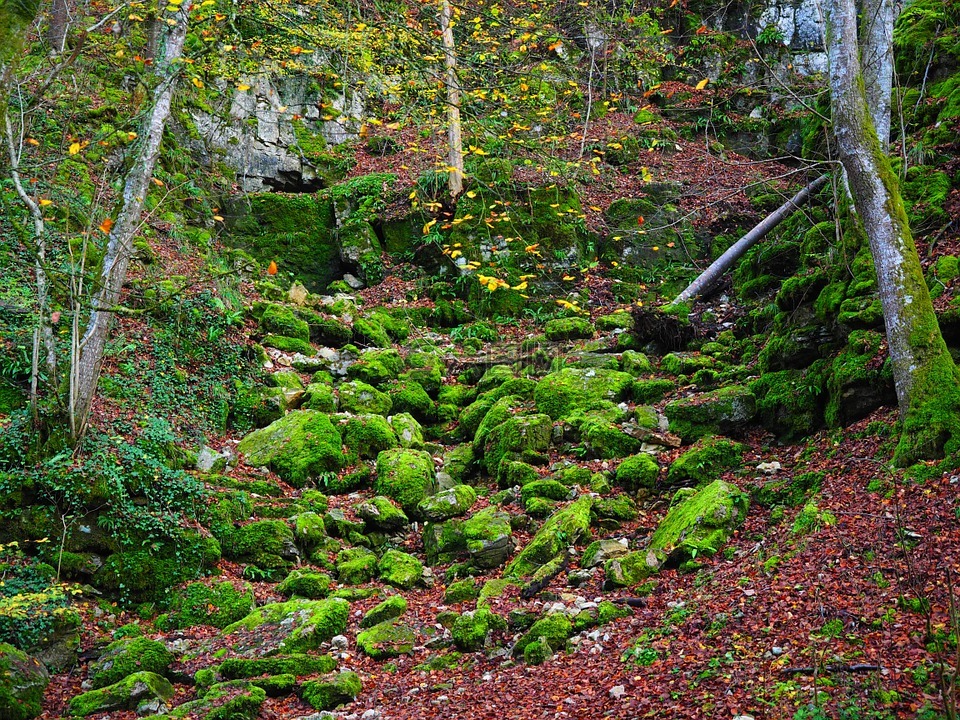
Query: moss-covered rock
<point x="406" y="476"/>
<point x="550" y="489"/>
<point x="280" y="320"/>
<point x="511" y="473"/>
<point x="126" y="656"/>
<point x="620" y="508"/>
<point x="722" y="411"/>
<point x="366" y="436"/>
<point x="308" y="529"/>
<point x="390" y="609"/>
<point x="332" y="691"/>
<point x="408" y="396"/>
<point x="705" y="461"/>
<point x="360" y="398"/>
<point x="305" y="584"/>
<point x="23" y="680"/>
<point x="597" y="553"/>
<point x="376" y="367"/>
<point x="232" y="700"/>
<point x="139" y="690"/>
<point x="638" y="472"/>
<point x="555" y="628"/>
<point x="617" y="320"/>
<point x="446" y="504"/>
<point x="400" y="569"/>
<point x="296" y="664"/>
<point x="486" y="537"/>
<point x="298" y="447"/>
<point x="369" y="332"/>
<point x="380" y="512"/>
<point x="386" y="640"/>
<point x="461" y="591"/>
<point x="295" y="625"/>
<point x="565" y="527"/>
<point x="560" y="393"/>
<point x="408" y="431"/>
<point x="860" y="380"/>
<point x="570" y="328"/>
<point x="525" y="436"/>
<point x="470" y="630"/>
<point x="217" y="604"/>
<point x="329" y="332"/>
<point x="356" y="566"/>
<point x="269" y="544"/>
<point x="790" y="402"/>
<point x="321" y="397"/>
<point x="648" y="391"/>
<point x="602" y="437"/>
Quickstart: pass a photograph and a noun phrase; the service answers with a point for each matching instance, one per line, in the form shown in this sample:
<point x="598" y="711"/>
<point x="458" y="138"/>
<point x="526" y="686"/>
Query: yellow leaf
<point x="471" y="194"/>
<point x="703" y="83"/>
<point x="521" y="286"/>
<point x="655" y="248"/>
<point x="456" y="254"/>
<point x="568" y="277"/>
<point x="158" y="182"/>
<point x="197" y="82"/>
<point x="106" y="226"/>
<point x="242" y="87"/>
<point x="134" y="18"/>
<point x="596" y="208"/>
<point x="119" y="53"/>
<point x="44" y="202"/>
<point x="33" y="141"/>
<point x="218" y="218"/>
<point x="228" y="48"/>
<point x="426" y="228"/>
<point x="74" y="148"/>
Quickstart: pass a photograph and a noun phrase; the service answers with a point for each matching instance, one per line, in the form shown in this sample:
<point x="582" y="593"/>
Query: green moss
<point x="620" y="508"/>
<point x="380" y="512"/>
<point x="571" y="328"/>
<point x="312" y="621"/>
<point x="127" y="694"/>
<point x="390" y="609"/>
<point x="365" y="436"/>
<point x="565" y="527"/>
<point x="789" y="491"/>
<point x="126" y="656"/>
<point x="705" y="461"/>
<point x="332" y="691"/>
<point x="233" y="700"/>
<point x="266" y="543"/>
<point x="471" y="629"/>
<point x="550" y="489"/>
<point x="555" y="628"/>
<point x="607" y="612"/>
<point x="647" y="391"/>
<point x="369" y="332"/>
<point x="298" y="447"/>
<point x="406" y="476"/>
<point x="376" y="366"/>
<point x="276" y="685"/>
<point x="280" y="320"/>
<point x="23" y="680"/>
<point x="448" y="503"/>
<point x="790" y="402"/>
<point x="297" y="664"/>
<point x="524" y="436"/>
<point x="360" y="398"/>
<point x="560" y="393"/>
<point x="409" y="397"/>
<point x="400" y="569"/>
<point x="409" y="432"/>
<point x="386" y="640"/>
<point x="461" y="591"/>
<point x="306" y="584"/>
<point x="724" y="410"/>
<point x="356" y="566"/>
<point x="217" y="605"/>
<point x="511" y="473"/>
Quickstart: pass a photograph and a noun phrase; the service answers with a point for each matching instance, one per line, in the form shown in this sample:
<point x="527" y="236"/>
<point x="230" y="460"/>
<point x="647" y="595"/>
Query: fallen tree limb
<point x="709" y="277"/>
<point x="830" y="669"/>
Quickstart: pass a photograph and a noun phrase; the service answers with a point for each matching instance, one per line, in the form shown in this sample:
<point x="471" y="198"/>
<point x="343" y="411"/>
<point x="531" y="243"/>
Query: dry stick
<point x="710" y="276"/>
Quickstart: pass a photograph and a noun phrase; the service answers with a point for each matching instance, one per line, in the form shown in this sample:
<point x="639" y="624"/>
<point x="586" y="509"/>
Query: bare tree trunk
<point x="709" y="277"/>
<point x="455" y="141"/>
<point x="924" y="374"/>
<point x="89" y="351"/>
<point x="876" y="59"/>
<point x="58" y="26"/>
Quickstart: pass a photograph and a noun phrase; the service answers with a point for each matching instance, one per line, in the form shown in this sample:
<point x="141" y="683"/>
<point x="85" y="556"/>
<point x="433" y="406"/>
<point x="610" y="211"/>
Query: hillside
<point x="362" y="449"/>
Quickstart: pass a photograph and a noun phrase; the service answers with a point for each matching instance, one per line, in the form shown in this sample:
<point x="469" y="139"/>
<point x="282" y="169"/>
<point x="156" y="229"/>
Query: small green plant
<point x="641" y="655"/>
<point x="770" y="35"/>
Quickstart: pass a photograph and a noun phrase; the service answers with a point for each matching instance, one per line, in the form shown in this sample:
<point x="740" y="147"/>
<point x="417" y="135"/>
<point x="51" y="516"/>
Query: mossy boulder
<point x="511" y="473"/>
<point x="638" y="472"/>
<point x="369" y="332"/>
<point x="23" y="680"/>
<point x="319" y="396"/>
<point x="126" y="656"/>
<point x="486" y="537"/>
<point x="331" y="691"/>
<point x="560" y="393"/>
<point x="523" y="436"/>
<point x="144" y="690"/>
<point x="602" y="437"/>
<point x="380" y="512"/>
<point x="548" y="488"/>
<point x="386" y="640"/>
<point x="555" y="629"/>
<point x="298" y="447"/>
<point x="860" y="380"/>
<point x="705" y="461"/>
<point x="408" y="430"/>
<point x="427" y="369"/>
<point x="281" y="320"/>
<point x="400" y="569"/>
<point x="408" y="396"/>
<point x="217" y="604"/>
<point x="498" y="411"/>
<point x="461" y="591"/>
<point x="390" y="609"/>
<point x="296" y="664"/>
<point x="565" y="527"/>
<point x="619" y="508"/>
<point x="470" y="629"/>
<point x="308" y="529"/>
<point x="446" y="504"/>
<point x="406" y="476"/>
<point x="699" y="524"/>
<point x="722" y="411"/>
<point x="232" y="700"/>
<point x="356" y="566"/>
<point x="597" y="553"/>
<point x="570" y="328"/>
<point x="329" y="332"/>
<point x="375" y="367"/>
<point x="635" y="363"/>
<point x="306" y="584"/>
<point x="790" y="402"/>
<point x="366" y="436"/>
<point x="268" y="544"/>
<point x="292" y="626"/>
<point x="494" y="377"/>
<point x="360" y="398"/>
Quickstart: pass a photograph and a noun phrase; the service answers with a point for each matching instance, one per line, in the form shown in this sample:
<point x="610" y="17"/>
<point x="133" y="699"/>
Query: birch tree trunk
<point x="87" y="354"/>
<point x="876" y="59"/>
<point x="924" y="374"/>
<point x="454" y="139"/>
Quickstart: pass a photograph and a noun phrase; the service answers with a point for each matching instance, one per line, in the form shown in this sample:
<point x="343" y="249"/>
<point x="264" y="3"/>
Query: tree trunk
<point x="876" y="59"/>
<point x="15" y="17"/>
<point x="57" y="26"/>
<point x="455" y="142"/>
<point x="709" y="277"/>
<point x="88" y="352"/>
<point x="924" y="374"/>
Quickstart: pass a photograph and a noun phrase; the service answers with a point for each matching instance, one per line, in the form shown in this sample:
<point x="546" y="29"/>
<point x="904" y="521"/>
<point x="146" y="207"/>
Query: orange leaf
<point x="640" y="220"/>
<point x="272" y="270"/>
<point x="106" y="226"/>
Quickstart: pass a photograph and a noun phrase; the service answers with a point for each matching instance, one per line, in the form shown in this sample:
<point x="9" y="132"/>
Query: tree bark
<point x="876" y="59"/>
<point x="924" y="374"/>
<point x="709" y="277"/>
<point x="454" y="139"/>
<point x="88" y="352"/>
<point x="57" y="26"/>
